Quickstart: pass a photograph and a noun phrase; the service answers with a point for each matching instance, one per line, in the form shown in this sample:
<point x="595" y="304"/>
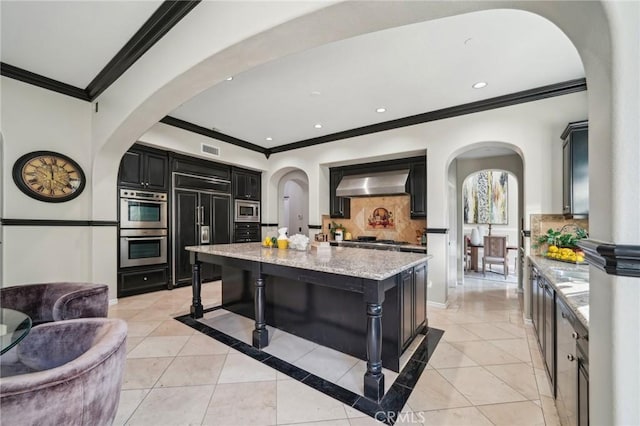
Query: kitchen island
<point x="335" y="298"/>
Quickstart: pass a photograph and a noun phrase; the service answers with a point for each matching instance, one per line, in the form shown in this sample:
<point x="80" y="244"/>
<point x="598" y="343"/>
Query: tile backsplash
<point x="363" y="209"/>
<point x="540" y="223"/>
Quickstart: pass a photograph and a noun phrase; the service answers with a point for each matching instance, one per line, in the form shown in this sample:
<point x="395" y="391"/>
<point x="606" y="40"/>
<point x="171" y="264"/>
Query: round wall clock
<point x="48" y="176"/>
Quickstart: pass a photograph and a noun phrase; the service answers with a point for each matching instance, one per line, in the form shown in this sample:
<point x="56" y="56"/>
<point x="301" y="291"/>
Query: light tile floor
<point x="487" y="369"/>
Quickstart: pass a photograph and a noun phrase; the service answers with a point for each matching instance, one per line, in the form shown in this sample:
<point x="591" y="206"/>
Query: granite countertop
<point x="574" y="291"/>
<point x="373" y="244"/>
<point x="356" y="262"/>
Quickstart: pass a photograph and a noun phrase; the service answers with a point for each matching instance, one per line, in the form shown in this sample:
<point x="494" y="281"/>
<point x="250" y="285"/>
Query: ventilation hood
<point x="370" y="184"/>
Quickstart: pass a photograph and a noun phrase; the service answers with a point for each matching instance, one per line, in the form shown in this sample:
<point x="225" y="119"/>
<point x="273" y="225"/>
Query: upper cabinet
<point x="246" y="184"/>
<point x="417" y="189"/>
<point x="575" y="170"/>
<point x="339" y="207"/>
<point x="144" y="169"/>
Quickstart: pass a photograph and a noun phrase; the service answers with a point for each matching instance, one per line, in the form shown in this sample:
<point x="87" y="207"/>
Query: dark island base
<point x="324" y="315"/>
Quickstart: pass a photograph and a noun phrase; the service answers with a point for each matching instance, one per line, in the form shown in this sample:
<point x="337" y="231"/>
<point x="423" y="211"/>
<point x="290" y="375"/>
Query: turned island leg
<point x="374" y="378"/>
<point x="260" y="334"/>
<point x="196" y="283"/>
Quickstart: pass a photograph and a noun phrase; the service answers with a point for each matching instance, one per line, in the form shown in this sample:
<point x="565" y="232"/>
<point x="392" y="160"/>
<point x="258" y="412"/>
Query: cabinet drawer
<point x="139" y="281"/>
<point x="246" y="236"/>
<point x="239" y="226"/>
<point x="246" y="232"/>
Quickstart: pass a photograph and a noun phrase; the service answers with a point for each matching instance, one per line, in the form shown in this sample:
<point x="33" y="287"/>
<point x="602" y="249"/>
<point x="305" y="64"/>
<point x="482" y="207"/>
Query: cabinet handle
<point x="563" y="315"/>
<point x="571" y="358"/>
<point x="144" y="278"/>
<point x="142" y="183"/>
<point x="575" y="335"/>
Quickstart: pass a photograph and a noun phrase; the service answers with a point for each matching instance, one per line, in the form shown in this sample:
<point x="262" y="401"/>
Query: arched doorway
<point x="604" y="27"/>
<point x="501" y="204"/>
<point x="293" y="202"/>
<point x="475" y="158"/>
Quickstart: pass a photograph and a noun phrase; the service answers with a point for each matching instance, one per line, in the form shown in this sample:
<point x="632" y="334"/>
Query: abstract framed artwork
<point x="485" y="198"/>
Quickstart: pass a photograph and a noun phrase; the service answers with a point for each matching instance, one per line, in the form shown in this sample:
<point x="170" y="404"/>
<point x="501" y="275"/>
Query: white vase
<point x="475" y="237"/>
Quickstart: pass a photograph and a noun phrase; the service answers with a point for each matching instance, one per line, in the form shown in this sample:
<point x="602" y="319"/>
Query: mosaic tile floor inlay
<point x="323" y="369"/>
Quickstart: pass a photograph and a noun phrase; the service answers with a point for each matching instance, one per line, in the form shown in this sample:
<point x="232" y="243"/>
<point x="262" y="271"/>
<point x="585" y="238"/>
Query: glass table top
<point x="14" y="326"/>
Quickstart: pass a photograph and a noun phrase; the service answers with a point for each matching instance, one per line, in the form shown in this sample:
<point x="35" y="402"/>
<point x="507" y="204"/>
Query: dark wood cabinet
<point x="246" y="232"/>
<point x="550" y="335"/>
<point x="564" y="345"/>
<point x="413" y="303"/>
<point x="537" y="298"/>
<point x="575" y="170"/>
<point x="572" y="371"/>
<point x="200" y="218"/>
<point x="420" y="301"/>
<point x="196" y="167"/>
<point x="144" y="168"/>
<point x="417" y="189"/>
<point x="142" y="280"/>
<point x="246" y="184"/>
<point x="406" y="309"/>
<point x="544" y="320"/>
<point x="339" y="207"/>
<point x="583" y="390"/>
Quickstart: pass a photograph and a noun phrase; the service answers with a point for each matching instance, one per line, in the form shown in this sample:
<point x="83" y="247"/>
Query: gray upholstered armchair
<point x="57" y="301"/>
<point x="70" y="374"/>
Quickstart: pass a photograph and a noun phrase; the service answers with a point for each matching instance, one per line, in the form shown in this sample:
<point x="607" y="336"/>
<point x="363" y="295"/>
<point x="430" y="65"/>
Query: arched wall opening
<point x="293" y="202"/>
<point x="137" y="101"/>
<point x="493" y="226"/>
<point x="465" y="162"/>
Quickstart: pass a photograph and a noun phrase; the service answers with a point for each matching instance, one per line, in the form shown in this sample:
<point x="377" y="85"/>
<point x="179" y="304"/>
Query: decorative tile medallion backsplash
<point x="387" y="218"/>
<point x="380" y="218"/>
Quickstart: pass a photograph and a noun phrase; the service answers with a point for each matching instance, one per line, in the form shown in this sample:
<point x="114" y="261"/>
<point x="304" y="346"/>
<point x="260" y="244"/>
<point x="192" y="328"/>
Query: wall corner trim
<point x="614" y="259"/>
<point x="437" y="230"/>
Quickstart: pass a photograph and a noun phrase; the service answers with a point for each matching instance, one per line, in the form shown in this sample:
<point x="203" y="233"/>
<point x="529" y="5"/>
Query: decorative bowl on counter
<point x="565" y="254"/>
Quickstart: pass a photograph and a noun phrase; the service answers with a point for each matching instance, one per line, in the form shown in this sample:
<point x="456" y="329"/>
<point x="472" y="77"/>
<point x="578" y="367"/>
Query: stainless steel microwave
<point x="247" y="211"/>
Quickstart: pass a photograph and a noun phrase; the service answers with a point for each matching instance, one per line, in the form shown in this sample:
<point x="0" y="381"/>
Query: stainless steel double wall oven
<point x="143" y="228"/>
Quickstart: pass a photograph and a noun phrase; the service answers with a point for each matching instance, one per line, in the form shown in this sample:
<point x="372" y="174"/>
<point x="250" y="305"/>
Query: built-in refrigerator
<point x="200" y="217"/>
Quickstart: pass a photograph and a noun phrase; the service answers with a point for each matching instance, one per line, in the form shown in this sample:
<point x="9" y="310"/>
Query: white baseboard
<point x="438" y="305"/>
<point x="113" y="302"/>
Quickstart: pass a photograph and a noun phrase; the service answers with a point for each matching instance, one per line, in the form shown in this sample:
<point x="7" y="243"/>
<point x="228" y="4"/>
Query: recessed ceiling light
<point x="318" y="126"/>
<point x="269" y="138"/>
<point x="316" y="93"/>
<point x="229" y="78"/>
<point x="381" y="110"/>
<point x="480" y="85"/>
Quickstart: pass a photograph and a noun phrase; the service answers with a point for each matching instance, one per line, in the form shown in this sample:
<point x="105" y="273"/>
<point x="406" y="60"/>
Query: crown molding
<point x="538" y="93"/>
<point x="168" y="14"/>
<point x="34" y="79"/>
<point x="185" y="125"/>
